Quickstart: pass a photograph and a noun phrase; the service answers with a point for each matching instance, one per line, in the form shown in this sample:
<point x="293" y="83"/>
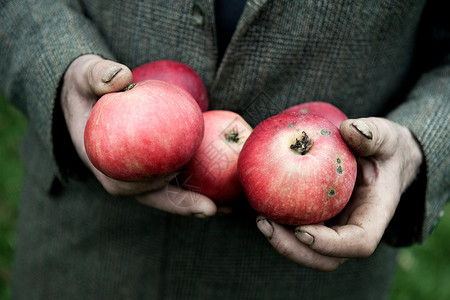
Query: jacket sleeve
<point x="426" y="112"/>
<point x="39" y="39"/>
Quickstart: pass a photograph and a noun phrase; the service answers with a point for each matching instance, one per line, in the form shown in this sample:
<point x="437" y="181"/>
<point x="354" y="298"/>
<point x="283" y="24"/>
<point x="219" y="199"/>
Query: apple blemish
<point x="232" y="136"/>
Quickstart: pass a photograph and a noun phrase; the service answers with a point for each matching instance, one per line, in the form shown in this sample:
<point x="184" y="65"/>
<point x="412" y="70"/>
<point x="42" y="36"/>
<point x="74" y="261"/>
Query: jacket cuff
<point x="426" y="114"/>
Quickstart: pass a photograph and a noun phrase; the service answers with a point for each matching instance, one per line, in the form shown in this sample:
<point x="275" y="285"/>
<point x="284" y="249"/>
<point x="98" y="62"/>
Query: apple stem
<point x="303" y="145"/>
<point x="232" y="136"/>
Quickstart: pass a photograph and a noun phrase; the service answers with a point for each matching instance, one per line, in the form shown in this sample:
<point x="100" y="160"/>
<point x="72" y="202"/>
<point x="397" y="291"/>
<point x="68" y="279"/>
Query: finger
<point x="369" y="136"/>
<point x="286" y="244"/>
<point x="122" y="188"/>
<point x="348" y="241"/>
<point x="179" y="201"/>
<point x="361" y="234"/>
<point x="106" y="76"/>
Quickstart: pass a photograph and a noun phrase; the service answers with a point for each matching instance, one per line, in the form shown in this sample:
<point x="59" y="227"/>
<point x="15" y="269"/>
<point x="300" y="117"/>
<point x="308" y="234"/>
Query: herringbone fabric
<point x="370" y="58"/>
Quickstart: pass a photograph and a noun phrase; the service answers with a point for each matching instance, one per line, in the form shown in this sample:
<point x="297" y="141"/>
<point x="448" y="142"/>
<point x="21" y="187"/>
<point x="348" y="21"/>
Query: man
<point x="75" y="238"/>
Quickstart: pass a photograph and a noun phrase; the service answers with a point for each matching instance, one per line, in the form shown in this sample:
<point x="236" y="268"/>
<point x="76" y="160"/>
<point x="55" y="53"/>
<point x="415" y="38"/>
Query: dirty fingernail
<point x="304" y="237"/>
<point x="110" y="73"/>
<point x="199" y="215"/>
<point x="362" y="127"/>
<point x="265" y="227"/>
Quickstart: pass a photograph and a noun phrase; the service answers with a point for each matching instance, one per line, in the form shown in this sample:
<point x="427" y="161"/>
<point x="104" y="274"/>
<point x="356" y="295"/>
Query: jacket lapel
<point x="251" y="11"/>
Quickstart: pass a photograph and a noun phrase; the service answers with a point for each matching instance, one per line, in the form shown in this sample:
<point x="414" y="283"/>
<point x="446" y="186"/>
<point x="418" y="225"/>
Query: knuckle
<point x="283" y="248"/>
<point x="327" y="264"/>
<point x="367" y="249"/>
<point x="113" y="189"/>
<point x="330" y="267"/>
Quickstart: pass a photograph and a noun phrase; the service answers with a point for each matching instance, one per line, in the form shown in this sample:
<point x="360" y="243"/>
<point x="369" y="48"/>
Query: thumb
<point x="106" y="76"/>
<point x="177" y="200"/>
<point x="367" y="136"/>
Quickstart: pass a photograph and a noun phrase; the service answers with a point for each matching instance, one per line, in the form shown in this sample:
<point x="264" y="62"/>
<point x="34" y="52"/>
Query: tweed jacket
<point x="386" y="58"/>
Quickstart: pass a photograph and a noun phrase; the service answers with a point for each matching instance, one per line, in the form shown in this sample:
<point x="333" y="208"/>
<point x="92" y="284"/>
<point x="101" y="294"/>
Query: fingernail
<point x="265" y="227"/>
<point x="129" y="87"/>
<point x="304" y="237"/>
<point x="199" y="215"/>
<point x="110" y="73"/>
<point x="362" y="127"/>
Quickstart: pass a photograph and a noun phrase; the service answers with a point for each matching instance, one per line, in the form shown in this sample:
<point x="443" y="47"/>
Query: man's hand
<point x="87" y="79"/>
<point x="388" y="159"/>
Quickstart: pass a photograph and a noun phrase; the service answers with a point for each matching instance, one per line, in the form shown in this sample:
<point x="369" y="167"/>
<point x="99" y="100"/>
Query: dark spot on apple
<point x="232" y="136"/>
<point x="338" y="160"/>
<point x="331" y="193"/>
<point x="339" y="169"/>
<point x="291" y="125"/>
<point x="325" y="132"/>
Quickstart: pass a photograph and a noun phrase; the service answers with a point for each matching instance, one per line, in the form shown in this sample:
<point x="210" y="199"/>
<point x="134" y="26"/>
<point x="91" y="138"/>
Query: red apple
<point x="152" y="129"/>
<point x="212" y="170"/>
<point x="176" y="73"/>
<point x="324" y="109"/>
<point x="296" y="169"/>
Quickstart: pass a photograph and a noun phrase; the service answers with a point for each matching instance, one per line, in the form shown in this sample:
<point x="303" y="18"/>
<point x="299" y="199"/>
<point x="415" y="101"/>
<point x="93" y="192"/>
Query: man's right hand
<point x="85" y="81"/>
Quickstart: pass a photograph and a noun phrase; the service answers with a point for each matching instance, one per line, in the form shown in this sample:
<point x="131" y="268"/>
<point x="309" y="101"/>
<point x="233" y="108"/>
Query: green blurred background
<point x="423" y="272"/>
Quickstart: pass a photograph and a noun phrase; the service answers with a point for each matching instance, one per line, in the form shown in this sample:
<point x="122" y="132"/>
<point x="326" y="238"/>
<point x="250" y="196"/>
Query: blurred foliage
<point x="12" y="127"/>
<point x="423" y="272"/>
